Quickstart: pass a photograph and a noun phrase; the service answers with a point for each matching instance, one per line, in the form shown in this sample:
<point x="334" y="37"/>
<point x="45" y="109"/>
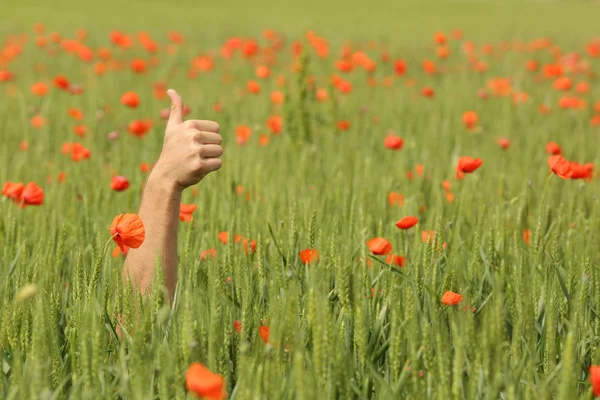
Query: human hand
<point x="191" y="148"/>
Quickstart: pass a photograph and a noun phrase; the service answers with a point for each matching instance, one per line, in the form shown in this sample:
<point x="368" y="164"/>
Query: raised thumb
<point x="176" y="116"/>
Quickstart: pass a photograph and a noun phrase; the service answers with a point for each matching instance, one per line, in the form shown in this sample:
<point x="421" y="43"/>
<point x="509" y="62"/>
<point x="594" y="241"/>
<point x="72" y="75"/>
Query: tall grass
<point x="350" y="325"/>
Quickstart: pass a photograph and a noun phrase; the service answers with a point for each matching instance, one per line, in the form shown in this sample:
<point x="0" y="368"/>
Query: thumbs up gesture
<point x="191" y="148"/>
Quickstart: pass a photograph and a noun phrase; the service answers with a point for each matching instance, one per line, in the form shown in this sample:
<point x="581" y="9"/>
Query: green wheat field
<point x="338" y="118"/>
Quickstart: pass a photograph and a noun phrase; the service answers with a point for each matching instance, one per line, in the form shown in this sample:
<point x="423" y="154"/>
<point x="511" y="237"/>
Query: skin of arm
<point x="191" y="150"/>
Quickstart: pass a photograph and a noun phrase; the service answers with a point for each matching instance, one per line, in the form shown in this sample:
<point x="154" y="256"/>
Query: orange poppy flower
<point x="504" y="143"/>
<point x="61" y="82"/>
<point x="13" y="190"/>
<point x="396" y="260"/>
<point x="78" y="151"/>
<point x="39" y="89"/>
<point x="427" y="92"/>
<point x="447" y="186"/>
<point x="553" y="148"/>
<point x="560" y="166"/>
<point x="242" y="134"/>
<point x="442" y="52"/>
<point x="450" y="298"/>
<point x="595" y="369"/>
<point x="308" y="256"/>
<point x="562" y="83"/>
<point x="80" y="130"/>
<point x="277" y="97"/>
<point x="396" y="199"/>
<point x="130" y="99"/>
<point x="185" y="211"/>
<point x="263" y="331"/>
<point x="429" y="67"/>
<point x="344" y="66"/>
<point x="127" y="230"/>
<point x="274" y="123"/>
<point x="5" y="75"/>
<point x="139" y="128"/>
<point x="119" y="183"/>
<point x="343" y="125"/>
<point x="427" y="235"/>
<point x="582" y="171"/>
<point x="393" y="142"/>
<point x="527" y="236"/>
<point x="204" y="383"/>
<point x="469" y="119"/>
<point x="138" y="66"/>
<point x="253" y="87"/>
<point x="379" y="246"/>
<point x="322" y="95"/>
<point x="205" y="254"/>
<point x="407" y="222"/>
<point x="439" y="38"/>
<point x="400" y="67"/>
<point x="38" y="121"/>
<point x="32" y="195"/>
<point x="75" y="113"/>
<point x="262" y="72"/>
<point x="468" y="164"/>
<point x="237" y="325"/>
<point x="263" y="140"/>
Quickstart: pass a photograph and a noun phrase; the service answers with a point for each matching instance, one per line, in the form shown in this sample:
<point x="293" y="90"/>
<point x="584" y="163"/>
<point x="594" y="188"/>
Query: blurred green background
<point x="410" y="21"/>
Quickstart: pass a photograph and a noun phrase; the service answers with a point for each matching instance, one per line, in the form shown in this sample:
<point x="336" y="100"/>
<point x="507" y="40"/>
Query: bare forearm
<point x="159" y="212"/>
<point x="191" y="149"/>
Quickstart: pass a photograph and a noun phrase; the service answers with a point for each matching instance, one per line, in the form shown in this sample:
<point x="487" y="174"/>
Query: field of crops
<point x="408" y="207"/>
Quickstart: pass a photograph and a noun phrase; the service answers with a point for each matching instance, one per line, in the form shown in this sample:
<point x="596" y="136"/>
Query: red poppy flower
<point x="185" y="212"/>
<point x="39" y="89"/>
<point x="139" y="128"/>
<point x="582" y="171"/>
<point x="127" y="230"/>
<point x="504" y="143"/>
<point x="407" y="222"/>
<point x="379" y="246"/>
<point x="595" y="379"/>
<point x="264" y="333"/>
<point x="130" y="99"/>
<point x="468" y="164"/>
<point x="553" y="148"/>
<point x="119" y="183"/>
<point x="204" y="383"/>
<point x="400" y="67"/>
<point x="527" y="236"/>
<point x="396" y="260"/>
<point x="308" y="256"/>
<point x="32" y="195"/>
<point x="274" y="123"/>
<point x="393" y="142"/>
<point x="396" y="199"/>
<point x="12" y="190"/>
<point x="469" y="119"/>
<point x="451" y="298"/>
<point x="237" y="325"/>
<point x="205" y="254"/>
<point x="560" y="166"/>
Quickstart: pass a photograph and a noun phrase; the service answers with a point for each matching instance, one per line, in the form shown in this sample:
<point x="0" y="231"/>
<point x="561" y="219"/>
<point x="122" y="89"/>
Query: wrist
<point x="159" y="181"/>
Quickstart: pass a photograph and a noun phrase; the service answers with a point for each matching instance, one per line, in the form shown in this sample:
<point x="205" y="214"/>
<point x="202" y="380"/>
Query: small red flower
<point x="128" y="230"/>
<point x="407" y="222"/>
<point x="451" y="298"/>
<point x="32" y="195"/>
<point x="379" y="246"/>
<point x="393" y="142"/>
<point x="119" y="183"/>
<point x="185" y="212"/>
<point x="308" y="256"/>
